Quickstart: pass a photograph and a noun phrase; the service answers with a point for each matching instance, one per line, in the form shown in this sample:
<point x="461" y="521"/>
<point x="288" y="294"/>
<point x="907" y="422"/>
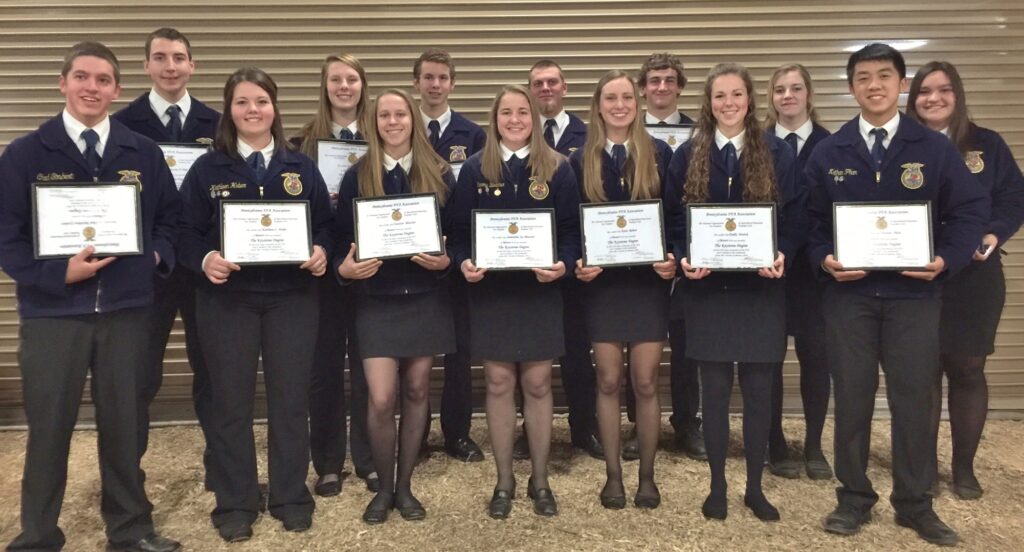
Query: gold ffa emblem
<point x="457" y="155"/>
<point x="538" y="190"/>
<point x="730" y="224"/>
<point x="171" y="162"/>
<point x="131" y="176"/>
<point x="266" y="221"/>
<point x="912" y="177"/>
<point x="205" y="141"/>
<point x="621" y="222"/>
<point x="89" y="233"/>
<point x="291" y="183"/>
<point x="513" y="228"/>
<point x="572" y="150"/>
<point x="672" y="140"/>
<point x="396" y="215"/>
<point x="881" y="224"/>
<point x="974" y="161"/>
<point x="353" y="158"/>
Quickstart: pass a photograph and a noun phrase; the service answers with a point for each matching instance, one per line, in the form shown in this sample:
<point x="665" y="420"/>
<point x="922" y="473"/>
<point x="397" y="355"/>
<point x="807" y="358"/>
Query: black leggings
<point x="815" y="390"/>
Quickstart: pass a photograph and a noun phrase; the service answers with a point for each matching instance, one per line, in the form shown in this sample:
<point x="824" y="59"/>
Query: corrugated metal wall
<point x="495" y="42"/>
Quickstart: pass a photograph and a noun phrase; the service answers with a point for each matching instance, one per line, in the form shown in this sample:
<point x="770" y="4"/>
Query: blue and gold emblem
<point x="974" y="161"/>
<point x="457" y="154"/>
<point x="912" y="177"/>
<point x="131" y="176"/>
<point x="538" y="190"/>
<point x="292" y="183"/>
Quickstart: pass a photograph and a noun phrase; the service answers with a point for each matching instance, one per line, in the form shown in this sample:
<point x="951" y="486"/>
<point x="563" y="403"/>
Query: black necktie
<point x="174" y="125"/>
<point x="400" y="181"/>
<point x="729" y="154"/>
<point x="793" y="140"/>
<point x="92" y="157"/>
<point x="619" y="156"/>
<point x="255" y="161"/>
<point x="878" y="149"/>
<point x="549" y="132"/>
<point x="662" y="123"/>
<point x="346" y="134"/>
<point x="435" y="132"/>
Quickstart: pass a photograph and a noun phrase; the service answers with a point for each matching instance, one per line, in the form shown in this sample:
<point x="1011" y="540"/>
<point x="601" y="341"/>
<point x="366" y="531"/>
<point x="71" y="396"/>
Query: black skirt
<point x="735" y="325"/>
<point x="403" y="326"/>
<point x="627" y="304"/>
<point x="972" y="302"/>
<point x="514" y="318"/>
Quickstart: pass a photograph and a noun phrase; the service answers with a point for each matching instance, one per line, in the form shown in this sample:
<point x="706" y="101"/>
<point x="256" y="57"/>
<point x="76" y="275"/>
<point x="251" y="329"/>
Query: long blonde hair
<point x="322" y="123"/>
<point x="543" y="160"/>
<point x="426" y="174"/>
<point x="757" y="165"/>
<point x="773" y="114"/>
<point x="641" y="172"/>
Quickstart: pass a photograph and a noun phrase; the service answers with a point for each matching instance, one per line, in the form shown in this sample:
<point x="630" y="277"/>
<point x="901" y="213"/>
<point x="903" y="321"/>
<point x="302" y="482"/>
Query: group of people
<point x="107" y="316"/>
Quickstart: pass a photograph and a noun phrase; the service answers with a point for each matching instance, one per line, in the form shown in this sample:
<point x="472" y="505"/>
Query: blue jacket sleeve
<point x="1007" y="192"/>
<point x="965" y="210"/>
<point x="792" y="218"/>
<point x="567" y="216"/>
<point x="168" y="212"/>
<point x="459" y="211"/>
<point x="675" y="211"/>
<point x="820" y="242"/>
<point x="344" y="225"/>
<point x="197" y="218"/>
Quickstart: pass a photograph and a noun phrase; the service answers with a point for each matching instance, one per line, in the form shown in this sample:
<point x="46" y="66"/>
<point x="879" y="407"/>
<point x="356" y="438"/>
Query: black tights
<point x="815" y="390"/>
<point x="968" y="409"/>
<point x="716" y="386"/>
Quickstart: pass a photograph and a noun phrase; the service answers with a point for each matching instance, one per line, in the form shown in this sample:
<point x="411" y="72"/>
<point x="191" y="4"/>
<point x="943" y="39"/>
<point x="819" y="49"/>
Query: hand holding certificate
<point x="732" y="236"/>
<point x="622" y="234"/>
<point x="68" y="217"/>
<point x="397" y="226"/>
<point x="334" y="157"/>
<point x="883" y="236"/>
<point x="514" y="240"/>
<point x="266" y="232"/>
<point x="180" y="158"/>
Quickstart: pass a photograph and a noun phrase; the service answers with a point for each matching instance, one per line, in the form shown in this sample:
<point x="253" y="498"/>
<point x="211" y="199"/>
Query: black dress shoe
<point x="372" y="483"/>
<point x="929" y="527"/>
<point x="328" y="485"/>
<point x="378" y="508"/>
<point x="786" y="468"/>
<point x="631" y="446"/>
<point x="845" y="520"/>
<point x="590" y="445"/>
<point x="715" y="507"/>
<point x="647" y="501"/>
<point x="615" y="497"/>
<point x="297" y="524"/>
<point x="543" y="500"/>
<point x="521" y="448"/>
<point x="151" y="543"/>
<point x="501" y="503"/>
<point x="691" y="440"/>
<point x="761" y="508"/>
<point x="410" y="508"/>
<point x="817" y="466"/>
<point x="967" y="487"/>
<point x="464" y="449"/>
<point x="235" y="531"/>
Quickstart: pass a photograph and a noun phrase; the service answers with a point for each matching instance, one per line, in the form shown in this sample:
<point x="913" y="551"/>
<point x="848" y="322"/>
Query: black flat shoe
<point x="501" y="503"/>
<point x="967" y="488"/>
<point x="464" y="449"/>
<point x="521" y="447"/>
<point x="297" y="524"/>
<point x="648" y="501"/>
<point x="691" y="440"/>
<point x="614" y="498"/>
<point x="591" y="445"/>
<point x="543" y="501"/>
<point x="328" y="484"/>
<point x="817" y="467"/>
<point x="150" y="543"/>
<point x="410" y="508"/>
<point x="378" y="508"/>
<point x="786" y="468"/>
<point x="372" y="483"/>
<point x="761" y="508"/>
<point x="715" y="507"/>
<point x="235" y="531"/>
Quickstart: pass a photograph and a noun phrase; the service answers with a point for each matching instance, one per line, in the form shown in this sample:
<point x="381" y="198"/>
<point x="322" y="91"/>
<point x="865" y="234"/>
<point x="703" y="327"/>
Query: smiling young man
<point x="888" y="317"/>
<point x="661" y="81"/>
<point x="168" y="113"/>
<point x="85" y="314"/>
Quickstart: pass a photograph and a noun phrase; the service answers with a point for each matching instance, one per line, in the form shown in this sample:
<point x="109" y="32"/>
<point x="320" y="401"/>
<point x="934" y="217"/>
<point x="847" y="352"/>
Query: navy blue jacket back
<point x="49" y="155"/>
<point x="200" y="125"/>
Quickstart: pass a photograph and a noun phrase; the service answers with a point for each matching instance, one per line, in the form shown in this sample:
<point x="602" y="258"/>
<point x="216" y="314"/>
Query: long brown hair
<point x="641" y="172"/>
<point x="960" y="121"/>
<point x="322" y="124"/>
<point x="773" y="114"/>
<point x="756" y="163"/>
<point x="426" y="174"/>
<point x="543" y="160"/>
<point x="226" y="140"/>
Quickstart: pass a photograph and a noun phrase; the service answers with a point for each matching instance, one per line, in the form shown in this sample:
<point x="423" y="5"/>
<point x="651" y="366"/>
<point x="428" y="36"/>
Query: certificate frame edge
<point x="583" y="236"/>
<point x="309" y="229"/>
<point x="437" y="219"/>
<point x="136" y="198"/>
<point x="554" y="236"/>
<point x="775" y="229"/>
<point x="931" y="237"/>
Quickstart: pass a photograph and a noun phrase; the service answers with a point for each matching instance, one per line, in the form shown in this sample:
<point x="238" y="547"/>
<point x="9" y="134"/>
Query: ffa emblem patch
<point x="974" y="161"/>
<point x="266" y="220"/>
<point x="291" y="183"/>
<point x="912" y="177"/>
<point x="205" y="141"/>
<point x="131" y="176"/>
<point x="457" y="155"/>
<point x="621" y="222"/>
<point x="730" y="224"/>
<point x="513" y="228"/>
<point x="881" y="224"/>
<point x="572" y="150"/>
<point x="538" y="190"/>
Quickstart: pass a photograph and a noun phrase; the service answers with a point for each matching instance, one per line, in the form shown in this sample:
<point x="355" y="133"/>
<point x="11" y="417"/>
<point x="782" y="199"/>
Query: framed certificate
<point x="622" y="234"/>
<point x="673" y="135"/>
<point x="731" y="236"/>
<point x="397" y="226"/>
<point x="180" y="158"/>
<point x="514" y="240"/>
<point x="68" y="216"/>
<point x="334" y="157"/>
<point x="265" y="232"/>
<point x="883" y="236"/>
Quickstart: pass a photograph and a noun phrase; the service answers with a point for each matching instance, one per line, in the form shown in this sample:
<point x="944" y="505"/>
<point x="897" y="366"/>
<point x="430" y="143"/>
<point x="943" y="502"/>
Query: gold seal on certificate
<point x="673" y="135"/>
<point x="181" y="157"/>
<point x="883" y="236"/>
<point x="265" y="232"/>
<point x="514" y="240"/>
<point x="397" y="226"/>
<point x="731" y="236"/>
<point x="334" y="157"/>
<point x="69" y="216"/>
<point x="622" y="233"/>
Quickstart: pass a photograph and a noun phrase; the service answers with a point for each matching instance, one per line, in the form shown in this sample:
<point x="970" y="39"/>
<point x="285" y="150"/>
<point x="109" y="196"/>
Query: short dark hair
<point x="876" y="51"/>
<point x="169" y="34"/>
<point x="658" y="62"/>
<point x="94" y="49"/>
<point x="435" y="55"/>
<point x="226" y="140"/>
<point x="546" y="63"/>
